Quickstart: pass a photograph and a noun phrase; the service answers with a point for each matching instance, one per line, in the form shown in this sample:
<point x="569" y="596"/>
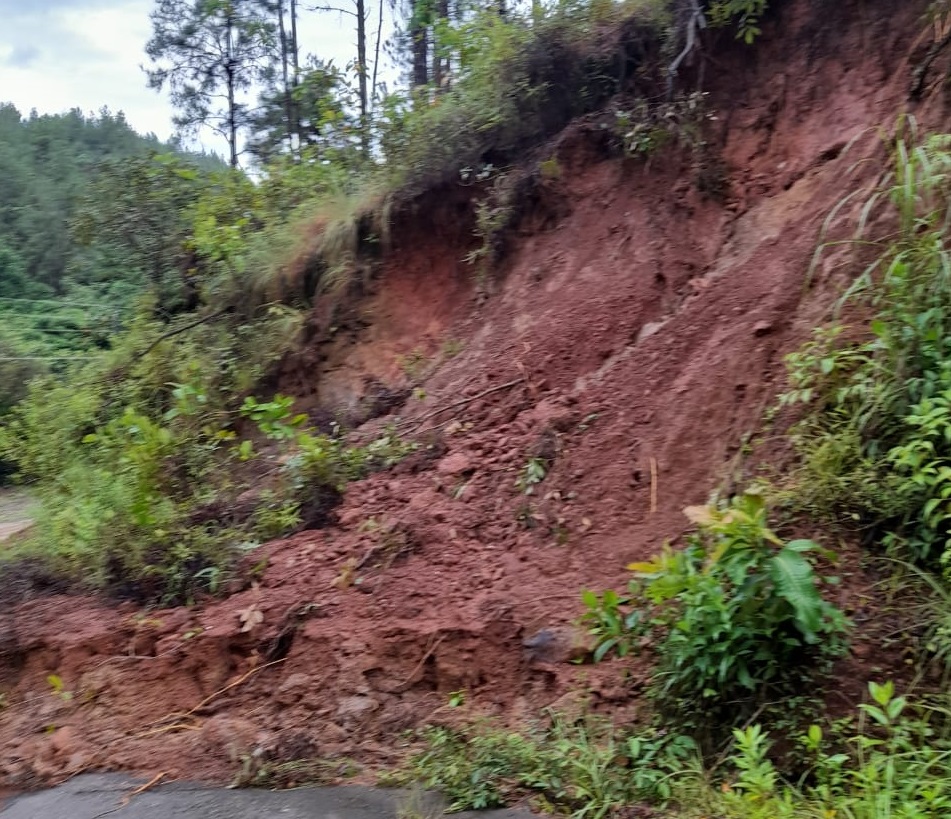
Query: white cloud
<point x="61" y="54"/>
<point x="84" y="55"/>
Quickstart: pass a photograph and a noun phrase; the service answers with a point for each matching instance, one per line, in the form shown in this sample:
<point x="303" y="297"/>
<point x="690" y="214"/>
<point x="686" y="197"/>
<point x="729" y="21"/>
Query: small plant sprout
<point x="532" y="474"/>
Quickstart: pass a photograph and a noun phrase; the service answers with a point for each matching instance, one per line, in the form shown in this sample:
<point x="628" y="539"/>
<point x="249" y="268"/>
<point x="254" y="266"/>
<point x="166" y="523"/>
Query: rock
<point x="762" y="328"/>
<point x="355" y="708"/>
<point x="64" y="741"/>
<point x="293" y="688"/>
<point x="457" y="463"/>
<point x="559" y="644"/>
<point x="231" y="735"/>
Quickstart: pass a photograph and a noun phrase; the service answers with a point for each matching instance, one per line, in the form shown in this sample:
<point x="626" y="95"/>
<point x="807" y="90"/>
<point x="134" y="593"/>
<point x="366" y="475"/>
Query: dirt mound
<point x="630" y="344"/>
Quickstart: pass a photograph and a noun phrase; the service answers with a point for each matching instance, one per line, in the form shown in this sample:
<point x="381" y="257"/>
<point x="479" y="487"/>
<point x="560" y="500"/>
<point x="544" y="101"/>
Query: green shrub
<point x="138" y="466"/>
<point x="586" y="768"/>
<point x="746" y="14"/>
<point x="895" y="766"/>
<point x="739" y="615"/>
<point x="876" y="439"/>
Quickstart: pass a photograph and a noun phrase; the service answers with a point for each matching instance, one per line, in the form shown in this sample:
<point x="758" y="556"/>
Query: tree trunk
<point x="230" y="81"/>
<point x="376" y="55"/>
<point x="295" y="81"/>
<point x="285" y="57"/>
<point x="419" y="35"/>
<point x="362" y="75"/>
<point x="440" y="64"/>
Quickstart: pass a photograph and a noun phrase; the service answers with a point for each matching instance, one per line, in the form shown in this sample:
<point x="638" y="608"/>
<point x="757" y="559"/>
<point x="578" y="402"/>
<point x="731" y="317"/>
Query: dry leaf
<point x="347" y="576"/>
<point x="250" y="617"/>
<point x="700" y="515"/>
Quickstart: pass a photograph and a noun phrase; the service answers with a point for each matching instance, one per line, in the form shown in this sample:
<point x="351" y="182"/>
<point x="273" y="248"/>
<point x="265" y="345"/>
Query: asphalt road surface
<point x="94" y="796"/>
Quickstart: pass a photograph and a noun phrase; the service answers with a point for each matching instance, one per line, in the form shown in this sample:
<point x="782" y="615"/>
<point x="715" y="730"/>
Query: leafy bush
<point x="139" y="468"/>
<point x="894" y="766"/>
<point x="739" y="614"/>
<point x="894" y="760"/>
<point x="516" y="79"/>
<point x="746" y="14"/>
<point x="876" y="442"/>
<point x="587" y="769"/>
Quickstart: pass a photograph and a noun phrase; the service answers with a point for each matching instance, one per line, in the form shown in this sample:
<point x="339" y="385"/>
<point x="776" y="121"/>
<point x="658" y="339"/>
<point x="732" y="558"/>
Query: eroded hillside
<point x="623" y="354"/>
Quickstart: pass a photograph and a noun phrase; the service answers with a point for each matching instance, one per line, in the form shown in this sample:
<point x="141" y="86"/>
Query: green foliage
<point x="739" y="613"/>
<point x="613" y="621"/>
<point x="493" y="216"/>
<point x="647" y="127"/>
<point x="516" y="78"/>
<point x="587" y="769"/>
<point x="207" y="52"/>
<point x="138" y="466"/>
<point x="476" y="770"/>
<point x="273" y="417"/>
<point x="532" y="474"/>
<point x="135" y="220"/>
<point x="894" y="761"/>
<point x="895" y="766"/>
<point x="745" y="13"/>
<point x="323" y="128"/>
<point x="876" y="442"/>
<point x="49" y="165"/>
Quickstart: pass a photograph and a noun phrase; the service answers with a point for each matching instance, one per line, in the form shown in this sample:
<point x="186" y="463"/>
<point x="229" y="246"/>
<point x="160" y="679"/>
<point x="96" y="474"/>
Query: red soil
<point x="641" y="337"/>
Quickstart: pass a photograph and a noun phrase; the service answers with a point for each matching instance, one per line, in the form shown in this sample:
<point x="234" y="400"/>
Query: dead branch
<point x="416" y="423"/>
<point x="696" y="22"/>
<point x="183" y="328"/>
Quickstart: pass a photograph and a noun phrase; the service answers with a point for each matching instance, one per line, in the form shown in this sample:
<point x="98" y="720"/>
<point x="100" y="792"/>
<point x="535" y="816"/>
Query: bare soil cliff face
<point x="633" y="337"/>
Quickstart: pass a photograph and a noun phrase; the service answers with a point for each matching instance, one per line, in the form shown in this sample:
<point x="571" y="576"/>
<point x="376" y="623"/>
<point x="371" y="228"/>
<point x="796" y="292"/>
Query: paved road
<point x="15" y="510"/>
<point x="94" y="796"/>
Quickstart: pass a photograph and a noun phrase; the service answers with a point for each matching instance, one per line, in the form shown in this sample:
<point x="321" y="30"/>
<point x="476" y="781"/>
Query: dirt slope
<point x="633" y="337"/>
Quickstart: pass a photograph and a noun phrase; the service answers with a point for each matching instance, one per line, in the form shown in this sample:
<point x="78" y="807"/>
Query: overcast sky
<point x="60" y="54"/>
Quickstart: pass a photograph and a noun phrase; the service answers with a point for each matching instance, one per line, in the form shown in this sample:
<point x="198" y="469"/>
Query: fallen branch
<point x="168" y="729"/>
<point x="128" y="797"/>
<point x="429" y="652"/>
<point x="185" y="327"/>
<point x="415" y="423"/>
<point x="142" y="789"/>
<point x="177" y="716"/>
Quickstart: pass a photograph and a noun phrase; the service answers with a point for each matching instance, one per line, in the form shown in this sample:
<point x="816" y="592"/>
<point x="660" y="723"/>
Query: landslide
<point x="629" y="341"/>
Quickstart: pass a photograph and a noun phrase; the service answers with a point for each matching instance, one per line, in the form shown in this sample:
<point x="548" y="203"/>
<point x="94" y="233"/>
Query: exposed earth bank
<point x="631" y="342"/>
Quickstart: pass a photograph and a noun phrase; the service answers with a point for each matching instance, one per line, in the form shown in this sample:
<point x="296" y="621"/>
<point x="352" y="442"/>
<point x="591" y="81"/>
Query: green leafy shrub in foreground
<point x="737" y="613"/>
<point x="588" y="769"/>
<point x="892" y="760"/>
